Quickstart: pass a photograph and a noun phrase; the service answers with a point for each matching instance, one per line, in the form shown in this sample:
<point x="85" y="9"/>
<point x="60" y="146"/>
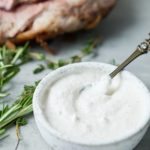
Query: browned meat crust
<point x="68" y="18"/>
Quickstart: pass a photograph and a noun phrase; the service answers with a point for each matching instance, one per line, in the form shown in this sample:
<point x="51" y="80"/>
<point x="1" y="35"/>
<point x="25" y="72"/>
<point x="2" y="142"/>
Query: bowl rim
<point x="39" y="115"/>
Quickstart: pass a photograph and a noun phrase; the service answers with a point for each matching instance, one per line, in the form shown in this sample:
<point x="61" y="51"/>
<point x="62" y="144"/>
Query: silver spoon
<point x="143" y="48"/>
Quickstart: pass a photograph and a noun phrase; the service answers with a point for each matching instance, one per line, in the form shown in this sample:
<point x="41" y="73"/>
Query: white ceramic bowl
<point x="56" y="141"/>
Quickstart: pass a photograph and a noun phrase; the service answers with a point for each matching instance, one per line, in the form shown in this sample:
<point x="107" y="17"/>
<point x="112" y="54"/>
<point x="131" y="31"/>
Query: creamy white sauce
<point x="88" y="107"/>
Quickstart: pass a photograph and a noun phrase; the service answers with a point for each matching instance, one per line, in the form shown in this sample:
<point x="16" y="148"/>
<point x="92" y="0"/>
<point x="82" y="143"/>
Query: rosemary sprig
<point x="89" y="49"/>
<point x="22" y="107"/>
<point x="10" y="62"/>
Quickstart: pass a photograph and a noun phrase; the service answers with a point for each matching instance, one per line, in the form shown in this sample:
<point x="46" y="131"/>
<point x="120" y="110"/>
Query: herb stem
<point x="18" y="135"/>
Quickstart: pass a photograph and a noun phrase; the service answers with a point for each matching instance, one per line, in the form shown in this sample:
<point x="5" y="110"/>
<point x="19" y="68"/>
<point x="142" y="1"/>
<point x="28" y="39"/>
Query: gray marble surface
<point x="121" y="31"/>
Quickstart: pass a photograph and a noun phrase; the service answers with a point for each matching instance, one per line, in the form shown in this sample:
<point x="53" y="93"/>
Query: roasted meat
<point x="10" y="4"/>
<point x="22" y="20"/>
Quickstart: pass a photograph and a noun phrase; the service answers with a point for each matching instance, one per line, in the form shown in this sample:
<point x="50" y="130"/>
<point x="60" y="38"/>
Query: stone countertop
<point x="121" y="32"/>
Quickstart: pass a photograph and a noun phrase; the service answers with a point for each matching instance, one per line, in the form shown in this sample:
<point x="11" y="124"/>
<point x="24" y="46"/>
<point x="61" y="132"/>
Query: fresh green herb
<point x="9" y="65"/>
<point x="39" y="69"/>
<point x="10" y="61"/>
<point x="2" y="132"/>
<point x="89" y="49"/>
<point x="91" y="44"/>
<point x="61" y="62"/>
<point x="22" y="107"/>
<point x="4" y="94"/>
<point x="21" y="122"/>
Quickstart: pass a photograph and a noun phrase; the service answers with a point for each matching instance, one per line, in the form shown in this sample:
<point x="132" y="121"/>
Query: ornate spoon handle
<point x="143" y="48"/>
